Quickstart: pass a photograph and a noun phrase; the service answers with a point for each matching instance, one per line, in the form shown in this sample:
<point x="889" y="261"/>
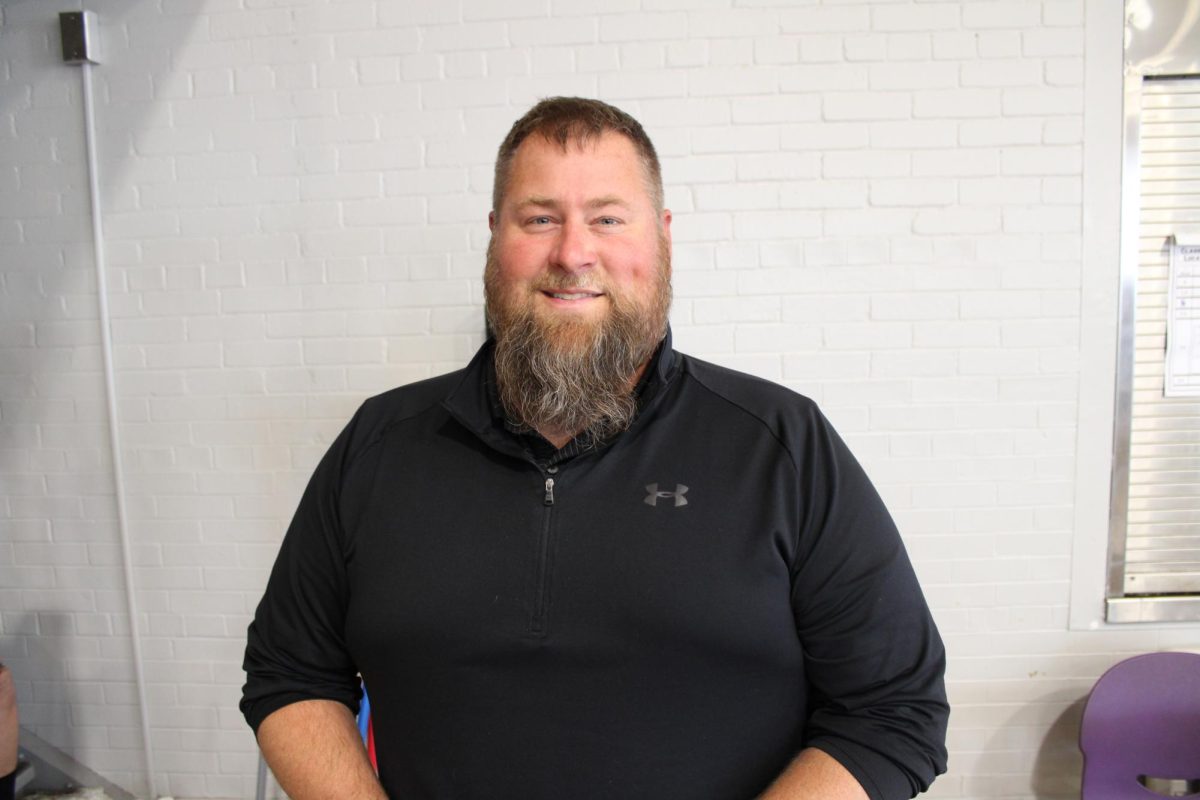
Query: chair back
<point x="1143" y="719"/>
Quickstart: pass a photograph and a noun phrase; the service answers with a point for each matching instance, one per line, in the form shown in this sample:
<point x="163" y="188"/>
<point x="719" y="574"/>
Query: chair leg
<point x="260" y="792"/>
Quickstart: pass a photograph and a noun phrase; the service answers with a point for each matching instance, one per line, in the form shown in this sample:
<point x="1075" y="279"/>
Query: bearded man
<point x="586" y="565"/>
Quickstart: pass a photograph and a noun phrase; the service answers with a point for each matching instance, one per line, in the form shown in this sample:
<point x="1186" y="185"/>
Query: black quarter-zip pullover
<point x="674" y="613"/>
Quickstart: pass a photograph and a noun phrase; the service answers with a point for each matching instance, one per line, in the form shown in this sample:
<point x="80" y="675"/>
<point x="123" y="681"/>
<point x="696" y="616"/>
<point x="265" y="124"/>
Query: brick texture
<point x="878" y="204"/>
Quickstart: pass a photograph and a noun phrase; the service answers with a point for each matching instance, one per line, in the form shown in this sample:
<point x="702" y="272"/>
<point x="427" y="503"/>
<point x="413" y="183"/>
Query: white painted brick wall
<point x="878" y="203"/>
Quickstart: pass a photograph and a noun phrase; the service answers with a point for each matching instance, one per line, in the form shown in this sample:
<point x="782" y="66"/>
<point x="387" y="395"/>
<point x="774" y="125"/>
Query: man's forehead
<point x="607" y="165"/>
<point x="589" y="143"/>
<point x="540" y="162"/>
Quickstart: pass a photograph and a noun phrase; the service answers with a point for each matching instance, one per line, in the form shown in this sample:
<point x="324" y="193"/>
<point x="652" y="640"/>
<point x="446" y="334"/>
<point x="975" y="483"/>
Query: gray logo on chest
<point x="654" y="495"/>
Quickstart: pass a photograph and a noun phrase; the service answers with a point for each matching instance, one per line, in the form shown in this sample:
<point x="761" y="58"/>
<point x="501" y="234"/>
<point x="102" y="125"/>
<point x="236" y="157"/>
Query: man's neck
<point x="559" y="440"/>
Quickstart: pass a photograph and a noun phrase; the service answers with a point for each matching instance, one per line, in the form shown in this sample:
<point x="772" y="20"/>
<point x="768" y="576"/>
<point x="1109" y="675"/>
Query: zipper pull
<point x="549" y="500"/>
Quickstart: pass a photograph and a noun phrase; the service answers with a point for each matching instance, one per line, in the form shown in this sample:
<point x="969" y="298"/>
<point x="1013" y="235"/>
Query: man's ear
<point x="666" y="225"/>
<point x="491" y="220"/>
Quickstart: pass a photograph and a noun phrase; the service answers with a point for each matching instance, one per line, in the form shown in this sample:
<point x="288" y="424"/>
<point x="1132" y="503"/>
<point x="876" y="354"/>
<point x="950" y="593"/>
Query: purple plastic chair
<point x="1141" y="728"/>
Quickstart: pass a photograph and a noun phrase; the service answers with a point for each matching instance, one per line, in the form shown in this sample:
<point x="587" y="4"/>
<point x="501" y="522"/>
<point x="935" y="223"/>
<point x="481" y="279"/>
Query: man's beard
<point x="565" y="376"/>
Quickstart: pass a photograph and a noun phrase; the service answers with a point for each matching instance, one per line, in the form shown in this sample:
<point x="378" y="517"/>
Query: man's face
<point x="577" y="235"/>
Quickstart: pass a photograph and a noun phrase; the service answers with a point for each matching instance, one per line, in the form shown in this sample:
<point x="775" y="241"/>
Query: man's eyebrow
<point x="608" y="200"/>
<point x="547" y="202"/>
<point x="540" y="202"/>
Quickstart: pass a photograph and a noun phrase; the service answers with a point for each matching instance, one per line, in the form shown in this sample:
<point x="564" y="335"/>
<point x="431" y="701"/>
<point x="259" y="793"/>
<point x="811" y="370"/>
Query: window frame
<point x="1111" y="196"/>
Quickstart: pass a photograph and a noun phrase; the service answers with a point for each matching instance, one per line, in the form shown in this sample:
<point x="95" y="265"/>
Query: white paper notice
<point x="1183" y="323"/>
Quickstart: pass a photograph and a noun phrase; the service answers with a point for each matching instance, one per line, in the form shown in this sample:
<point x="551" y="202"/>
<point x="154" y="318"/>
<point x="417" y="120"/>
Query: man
<point x="10" y="726"/>
<point x="587" y="566"/>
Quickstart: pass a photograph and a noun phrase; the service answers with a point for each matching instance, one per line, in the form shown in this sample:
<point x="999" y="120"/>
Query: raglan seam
<point x="793" y="565"/>
<point x="435" y="401"/>
<point x="756" y="417"/>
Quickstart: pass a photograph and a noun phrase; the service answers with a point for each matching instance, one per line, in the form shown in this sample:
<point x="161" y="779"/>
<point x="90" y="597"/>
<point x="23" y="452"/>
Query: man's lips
<point x="571" y="295"/>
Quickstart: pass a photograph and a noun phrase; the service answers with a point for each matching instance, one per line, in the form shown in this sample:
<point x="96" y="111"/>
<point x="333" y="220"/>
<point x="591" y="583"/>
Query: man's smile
<point x="571" y="297"/>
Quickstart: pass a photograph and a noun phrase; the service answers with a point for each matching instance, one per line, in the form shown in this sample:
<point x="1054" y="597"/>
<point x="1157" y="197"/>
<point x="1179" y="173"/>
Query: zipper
<point x="541" y="599"/>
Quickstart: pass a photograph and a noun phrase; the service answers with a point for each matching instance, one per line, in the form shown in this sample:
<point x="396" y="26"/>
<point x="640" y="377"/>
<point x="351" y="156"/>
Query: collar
<point x="475" y="403"/>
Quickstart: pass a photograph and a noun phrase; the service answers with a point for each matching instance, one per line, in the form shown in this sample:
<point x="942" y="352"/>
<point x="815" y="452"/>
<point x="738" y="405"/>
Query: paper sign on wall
<point x="1183" y="321"/>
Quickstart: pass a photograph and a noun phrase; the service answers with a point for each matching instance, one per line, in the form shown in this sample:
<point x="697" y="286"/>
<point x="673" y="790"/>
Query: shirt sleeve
<point x="873" y="657"/>
<point x="296" y="648"/>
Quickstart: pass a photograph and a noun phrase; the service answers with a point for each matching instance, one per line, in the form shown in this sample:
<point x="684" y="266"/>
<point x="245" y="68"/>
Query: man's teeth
<point x="566" y="296"/>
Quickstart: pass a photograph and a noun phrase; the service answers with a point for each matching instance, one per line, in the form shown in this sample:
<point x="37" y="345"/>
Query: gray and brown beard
<point x="568" y="376"/>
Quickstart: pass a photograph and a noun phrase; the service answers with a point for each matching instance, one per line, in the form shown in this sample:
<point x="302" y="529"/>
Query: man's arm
<point x="814" y="775"/>
<point x="874" y="661"/>
<point x="315" y="751"/>
<point x="10" y="723"/>
<point x="302" y="684"/>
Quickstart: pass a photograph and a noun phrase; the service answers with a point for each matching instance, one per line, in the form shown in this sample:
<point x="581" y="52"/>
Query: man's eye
<point x="609" y="221"/>
<point x="539" y="221"/>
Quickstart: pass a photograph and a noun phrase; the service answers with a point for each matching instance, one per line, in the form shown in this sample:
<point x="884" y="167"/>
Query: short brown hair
<point x="577" y="120"/>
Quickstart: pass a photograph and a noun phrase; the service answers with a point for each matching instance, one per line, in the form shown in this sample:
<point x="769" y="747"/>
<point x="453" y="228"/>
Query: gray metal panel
<point x="1130" y="245"/>
<point x="1153" y="609"/>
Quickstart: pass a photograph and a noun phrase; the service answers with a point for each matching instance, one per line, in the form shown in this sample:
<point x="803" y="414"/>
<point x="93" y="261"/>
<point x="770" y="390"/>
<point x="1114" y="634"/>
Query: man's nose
<point x="575" y="249"/>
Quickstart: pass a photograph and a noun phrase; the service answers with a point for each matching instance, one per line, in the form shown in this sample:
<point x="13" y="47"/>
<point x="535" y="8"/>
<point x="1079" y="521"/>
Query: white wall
<point x="877" y="202"/>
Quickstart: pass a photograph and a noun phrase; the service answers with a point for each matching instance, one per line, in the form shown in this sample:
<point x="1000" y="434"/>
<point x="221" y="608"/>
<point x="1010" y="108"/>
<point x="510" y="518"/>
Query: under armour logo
<point x="654" y="494"/>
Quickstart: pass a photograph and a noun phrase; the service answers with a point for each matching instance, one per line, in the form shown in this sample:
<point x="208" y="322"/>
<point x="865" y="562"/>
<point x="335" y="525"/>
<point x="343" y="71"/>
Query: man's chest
<point x="462" y="553"/>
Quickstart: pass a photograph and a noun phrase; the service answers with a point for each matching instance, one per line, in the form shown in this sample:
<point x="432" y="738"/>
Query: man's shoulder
<point x="754" y="395"/>
<point x="409" y="400"/>
<point x="785" y="416"/>
<point x="381" y="413"/>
